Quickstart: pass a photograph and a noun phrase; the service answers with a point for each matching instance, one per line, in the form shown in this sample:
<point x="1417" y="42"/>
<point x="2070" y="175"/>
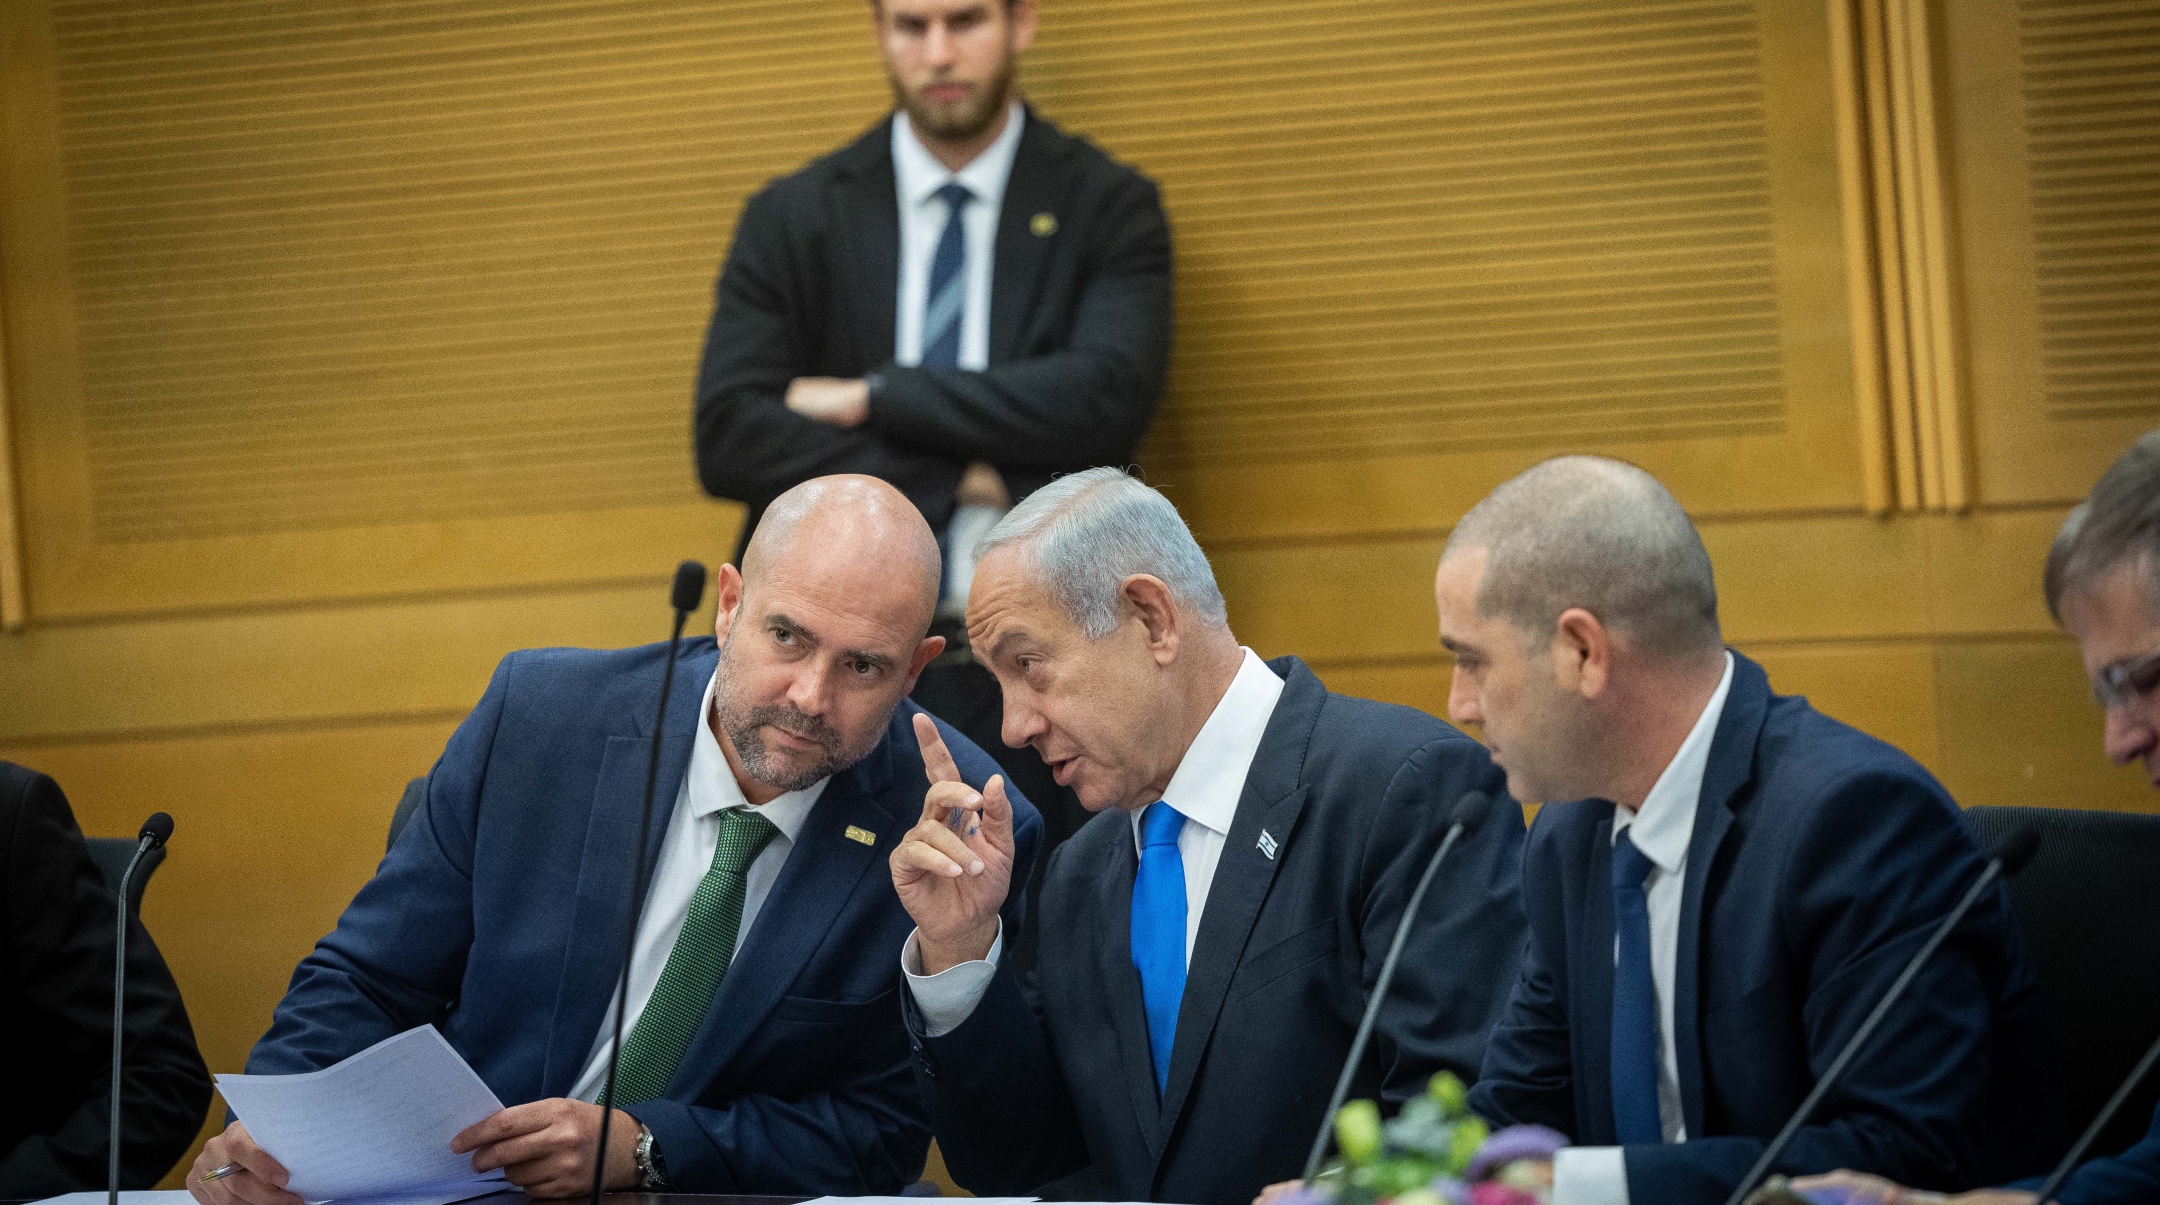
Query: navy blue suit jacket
<point x="2131" y="1178"/>
<point x="1052" y="1072"/>
<point x="1821" y="860"/>
<point x="499" y="916"/>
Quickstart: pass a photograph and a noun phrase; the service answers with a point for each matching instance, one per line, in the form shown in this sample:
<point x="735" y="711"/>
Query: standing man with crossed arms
<point x="965" y="301"/>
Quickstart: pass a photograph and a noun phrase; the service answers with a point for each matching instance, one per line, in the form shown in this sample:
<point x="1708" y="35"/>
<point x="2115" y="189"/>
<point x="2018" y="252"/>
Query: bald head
<point x="1602" y="535"/>
<point x="856" y="531"/>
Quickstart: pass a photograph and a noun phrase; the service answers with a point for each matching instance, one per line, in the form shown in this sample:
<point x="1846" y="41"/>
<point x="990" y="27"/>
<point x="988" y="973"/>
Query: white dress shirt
<point x="686" y="854"/>
<point x="1661" y="829"/>
<point x="1204" y="789"/>
<point x="917" y="175"/>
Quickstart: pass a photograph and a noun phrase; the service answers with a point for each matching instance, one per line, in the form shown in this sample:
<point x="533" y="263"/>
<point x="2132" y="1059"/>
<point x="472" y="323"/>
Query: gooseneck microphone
<point x="2107" y="1114"/>
<point x="155" y="832"/>
<point x="689" y="589"/>
<point x="2013" y="855"/>
<point x="1470" y="812"/>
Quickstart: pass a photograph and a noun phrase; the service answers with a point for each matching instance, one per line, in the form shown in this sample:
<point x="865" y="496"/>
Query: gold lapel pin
<point x="863" y="835"/>
<point x="1043" y="224"/>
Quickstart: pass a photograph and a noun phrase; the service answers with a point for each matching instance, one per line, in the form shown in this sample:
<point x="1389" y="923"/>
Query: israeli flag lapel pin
<point x="1267" y="844"/>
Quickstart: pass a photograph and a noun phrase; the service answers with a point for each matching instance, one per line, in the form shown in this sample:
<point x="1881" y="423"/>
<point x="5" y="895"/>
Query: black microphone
<point x="155" y="832"/>
<point x="688" y="590"/>
<point x="2011" y="857"/>
<point x="2084" y="1143"/>
<point x="1470" y="812"/>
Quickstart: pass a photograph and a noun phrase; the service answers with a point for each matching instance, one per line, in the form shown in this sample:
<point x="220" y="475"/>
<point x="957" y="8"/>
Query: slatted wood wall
<point x="348" y="345"/>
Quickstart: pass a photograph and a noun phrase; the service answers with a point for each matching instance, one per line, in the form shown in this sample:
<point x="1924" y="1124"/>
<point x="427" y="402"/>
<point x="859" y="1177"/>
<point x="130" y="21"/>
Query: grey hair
<point x="1600" y="534"/>
<point x="1083" y="534"/>
<point x="2119" y="525"/>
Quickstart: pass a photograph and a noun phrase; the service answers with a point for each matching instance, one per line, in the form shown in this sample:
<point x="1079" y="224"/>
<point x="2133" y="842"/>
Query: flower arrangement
<point x="1434" y="1152"/>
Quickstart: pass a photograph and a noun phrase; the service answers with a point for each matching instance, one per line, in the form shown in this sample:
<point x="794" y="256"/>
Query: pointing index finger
<point x="937" y="759"/>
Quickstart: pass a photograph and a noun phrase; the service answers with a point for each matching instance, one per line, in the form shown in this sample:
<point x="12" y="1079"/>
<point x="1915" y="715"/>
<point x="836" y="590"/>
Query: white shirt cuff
<point x="1589" y="1175"/>
<point x="949" y="997"/>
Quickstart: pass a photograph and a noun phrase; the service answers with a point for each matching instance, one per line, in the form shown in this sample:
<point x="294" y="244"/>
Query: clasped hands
<point x="545" y="1148"/>
<point x="953" y="869"/>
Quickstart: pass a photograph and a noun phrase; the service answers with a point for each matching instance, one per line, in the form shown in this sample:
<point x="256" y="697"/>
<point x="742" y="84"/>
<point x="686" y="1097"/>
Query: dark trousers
<point x="966" y="696"/>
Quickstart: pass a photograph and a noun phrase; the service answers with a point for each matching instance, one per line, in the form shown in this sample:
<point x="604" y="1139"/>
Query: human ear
<point x="925" y="653"/>
<point x="1022" y="16"/>
<point x="1582" y="653"/>
<point x="1158" y="614"/>
<point x="727" y="595"/>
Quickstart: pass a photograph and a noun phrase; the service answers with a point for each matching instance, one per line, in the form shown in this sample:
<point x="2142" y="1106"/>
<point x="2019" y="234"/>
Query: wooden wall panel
<point x="1419" y="241"/>
<point x="2055" y="111"/>
<point x="347" y="346"/>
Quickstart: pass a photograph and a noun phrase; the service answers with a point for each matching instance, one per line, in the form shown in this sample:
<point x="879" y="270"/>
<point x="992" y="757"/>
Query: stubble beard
<point x="947" y="125"/>
<point x="742" y="721"/>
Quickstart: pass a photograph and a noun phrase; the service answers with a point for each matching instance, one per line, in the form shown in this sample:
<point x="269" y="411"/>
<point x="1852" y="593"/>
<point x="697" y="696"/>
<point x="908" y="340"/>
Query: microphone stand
<point x="2016" y="852"/>
<point x="1469" y="814"/>
<point x="2084" y="1143"/>
<point x="689" y="589"/>
<point x="154" y="833"/>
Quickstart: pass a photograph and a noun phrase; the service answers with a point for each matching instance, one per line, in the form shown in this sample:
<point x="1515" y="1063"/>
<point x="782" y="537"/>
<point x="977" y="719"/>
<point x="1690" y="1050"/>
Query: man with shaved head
<point x="1722" y="883"/>
<point x="763" y="1049"/>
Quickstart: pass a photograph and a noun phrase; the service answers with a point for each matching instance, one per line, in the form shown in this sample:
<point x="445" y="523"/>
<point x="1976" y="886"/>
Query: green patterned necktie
<point x="695" y="966"/>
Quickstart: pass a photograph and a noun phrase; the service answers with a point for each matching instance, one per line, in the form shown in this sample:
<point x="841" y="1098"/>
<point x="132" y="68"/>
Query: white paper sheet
<point x="170" y="1196"/>
<point x="915" y="1200"/>
<point x="377" y="1125"/>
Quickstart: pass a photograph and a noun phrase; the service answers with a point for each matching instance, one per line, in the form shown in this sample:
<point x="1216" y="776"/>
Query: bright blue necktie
<point x="946" y="298"/>
<point x="1158" y="931"/>
<point x="1634" y="1001"/>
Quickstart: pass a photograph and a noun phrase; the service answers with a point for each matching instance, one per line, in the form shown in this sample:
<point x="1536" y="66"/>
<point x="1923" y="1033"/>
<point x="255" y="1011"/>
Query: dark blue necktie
<point x="1158" y="931"/>
<point x="946" y="299"/>
<point x="1634" y="1001"/>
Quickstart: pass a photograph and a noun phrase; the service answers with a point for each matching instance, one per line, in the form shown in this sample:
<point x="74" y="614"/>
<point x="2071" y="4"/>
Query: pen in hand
<point x="219" y="1173"/>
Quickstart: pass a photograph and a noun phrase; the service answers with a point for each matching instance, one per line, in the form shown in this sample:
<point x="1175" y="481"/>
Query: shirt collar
<point x="921" y="175"/>
<point x="1211" y="776"/>
<point x="1665" y="823"/>
<point x="712" y="788"/>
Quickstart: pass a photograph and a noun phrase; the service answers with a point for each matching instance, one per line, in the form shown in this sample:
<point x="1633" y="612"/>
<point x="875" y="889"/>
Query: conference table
<point x="613" y="1198"/>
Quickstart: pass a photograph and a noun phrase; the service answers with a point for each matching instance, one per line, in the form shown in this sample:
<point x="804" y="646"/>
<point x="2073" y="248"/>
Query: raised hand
<point x="953" y="882"/>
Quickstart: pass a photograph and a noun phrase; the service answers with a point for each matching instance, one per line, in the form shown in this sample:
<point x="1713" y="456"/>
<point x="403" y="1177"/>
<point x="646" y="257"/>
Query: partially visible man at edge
<point x="2103" y="586"/>
<point x="1210" y="937"/>
<point x="763" y="1050"/>
<point x="1736" y="882"/>
<point x="964" y="301"/>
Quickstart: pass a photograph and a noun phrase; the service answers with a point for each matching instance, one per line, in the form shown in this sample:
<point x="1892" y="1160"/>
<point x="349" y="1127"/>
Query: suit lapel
<point x="1242" y="880"/>
<point x="600" y="917"/>
<point x="1016" y="278"/>
<point x="1591" y="962"/>
<point x="1121" y="982"/>
<point x="1725" y="777"/>
<point x="821" y="875"/>
<point x="1273" y="799"/>
<point x="867" y="231"/>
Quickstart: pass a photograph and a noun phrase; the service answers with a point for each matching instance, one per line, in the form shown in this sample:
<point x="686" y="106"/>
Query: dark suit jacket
<point x="498" y="916"/>
<point x="56" y="968"/>
<point x="1046" y="1076"/>
<point x="1821" y="860"/>
<point x="2131" y="1178"/>
<point x="1079" y="330"/>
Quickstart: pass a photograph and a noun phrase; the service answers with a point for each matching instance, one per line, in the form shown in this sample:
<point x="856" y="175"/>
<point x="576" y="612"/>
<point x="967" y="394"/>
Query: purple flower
<point x="1512" y="1143"/>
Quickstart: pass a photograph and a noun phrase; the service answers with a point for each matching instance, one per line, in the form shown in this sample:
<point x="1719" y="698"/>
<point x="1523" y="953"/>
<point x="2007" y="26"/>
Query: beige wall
<point x="348" y="348"/>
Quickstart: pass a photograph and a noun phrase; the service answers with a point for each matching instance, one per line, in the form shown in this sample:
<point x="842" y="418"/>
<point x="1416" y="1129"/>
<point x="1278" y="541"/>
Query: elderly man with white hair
<point x="1209" y="938"/>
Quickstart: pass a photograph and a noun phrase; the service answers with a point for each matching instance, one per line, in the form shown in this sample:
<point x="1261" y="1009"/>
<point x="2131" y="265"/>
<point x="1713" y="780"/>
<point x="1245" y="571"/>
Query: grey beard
<point x="743" y="734"/>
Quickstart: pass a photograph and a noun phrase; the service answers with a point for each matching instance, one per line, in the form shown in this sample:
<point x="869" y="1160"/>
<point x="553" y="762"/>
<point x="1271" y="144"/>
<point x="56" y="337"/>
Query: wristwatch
<point x="651" y="1171"/>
